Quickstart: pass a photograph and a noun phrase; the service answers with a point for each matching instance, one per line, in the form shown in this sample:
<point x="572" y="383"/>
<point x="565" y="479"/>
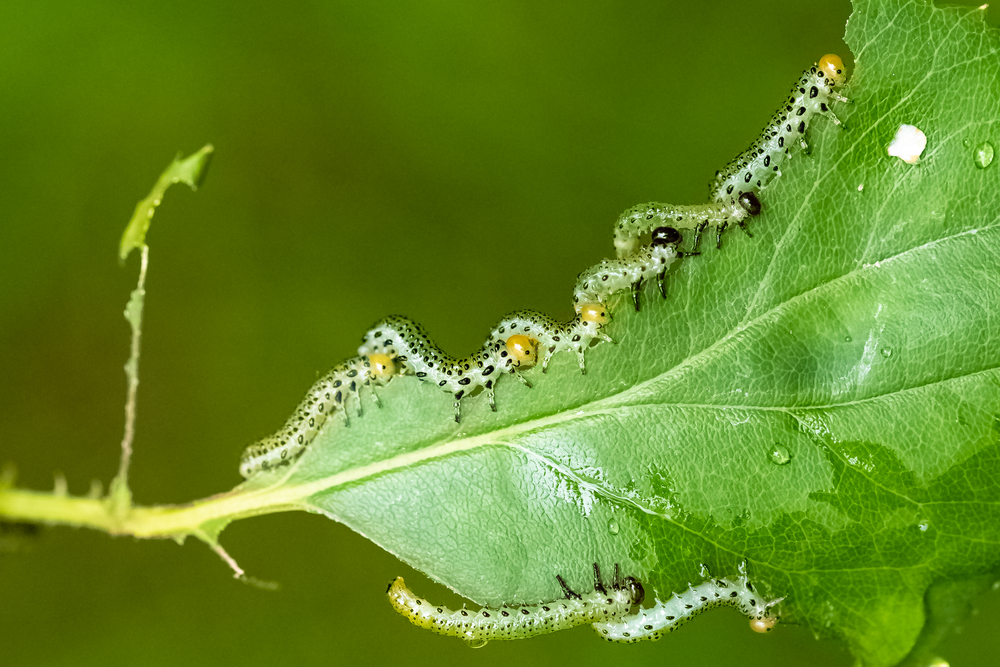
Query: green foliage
<point x="854" y="332"/>
<point x="190" y="170"/>
<point x="852" y="337"/>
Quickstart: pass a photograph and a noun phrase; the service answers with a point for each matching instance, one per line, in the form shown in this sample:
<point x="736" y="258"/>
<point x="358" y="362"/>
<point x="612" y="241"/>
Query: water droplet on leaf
<point x="982" y="155"/>
<point x="779" y="455"/>
<point x="886" y="352"/>
<point x="613" y="527"/>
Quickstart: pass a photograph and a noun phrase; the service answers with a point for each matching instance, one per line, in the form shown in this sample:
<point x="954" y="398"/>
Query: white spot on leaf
<point x="908" y="144"/>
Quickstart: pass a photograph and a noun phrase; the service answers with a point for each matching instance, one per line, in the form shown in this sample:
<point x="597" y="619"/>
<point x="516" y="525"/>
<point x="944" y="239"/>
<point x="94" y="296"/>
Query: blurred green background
<point x="447" y="160"/>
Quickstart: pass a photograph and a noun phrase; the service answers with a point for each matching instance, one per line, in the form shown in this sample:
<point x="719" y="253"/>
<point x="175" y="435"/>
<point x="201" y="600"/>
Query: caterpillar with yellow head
<point x="540" y="336"/>
<point x="734" y="190"/>
<point x="603" y="604"/>
<point x="327" y="395"/>
<point x="754" y="168"/>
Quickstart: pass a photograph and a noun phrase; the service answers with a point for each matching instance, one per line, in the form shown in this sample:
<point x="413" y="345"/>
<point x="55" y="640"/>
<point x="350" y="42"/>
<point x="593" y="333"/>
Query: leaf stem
<point x="204" y="518"/>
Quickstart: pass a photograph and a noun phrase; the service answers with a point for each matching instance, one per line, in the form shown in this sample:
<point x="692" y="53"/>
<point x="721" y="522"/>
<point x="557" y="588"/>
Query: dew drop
<point x="847" y="339"/>
<point x="982" y="155"/>
<point x="886" y="352"/>
<point x="613" y="527"/>
<point x="966" y="143"/>
<point x="779" y="455"/>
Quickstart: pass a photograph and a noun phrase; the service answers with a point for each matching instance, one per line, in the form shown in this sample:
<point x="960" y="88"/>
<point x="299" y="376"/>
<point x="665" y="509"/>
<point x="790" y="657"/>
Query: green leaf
<point x="190" y="170"/>
<point x="856" y="333"/>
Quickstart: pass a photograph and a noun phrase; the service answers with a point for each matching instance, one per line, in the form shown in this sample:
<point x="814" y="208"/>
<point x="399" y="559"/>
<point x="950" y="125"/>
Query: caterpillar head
<point x="523" y="350"/>
<point x="634" y="589"/>
<point x="762" y="625"/>
<point x="666" y="236"/>
<point x="382" y="366"/>
<point x="833" y="67"/>
<point x="750" y="203"/>
<point x="594" y="312"/>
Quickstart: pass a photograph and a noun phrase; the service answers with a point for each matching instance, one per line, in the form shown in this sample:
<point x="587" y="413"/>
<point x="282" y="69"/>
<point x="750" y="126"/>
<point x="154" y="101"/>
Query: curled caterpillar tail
<point x="329" y="394"/>
<point x="666" y="616"/>
<point x="503" y="623"/>
<point x="643" y="218"/>
<point x="602" y="280"/>
<point x="755" y="167"/>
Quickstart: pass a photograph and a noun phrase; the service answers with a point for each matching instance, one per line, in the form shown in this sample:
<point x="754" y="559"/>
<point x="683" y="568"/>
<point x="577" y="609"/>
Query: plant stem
<point x="204" y="518"/>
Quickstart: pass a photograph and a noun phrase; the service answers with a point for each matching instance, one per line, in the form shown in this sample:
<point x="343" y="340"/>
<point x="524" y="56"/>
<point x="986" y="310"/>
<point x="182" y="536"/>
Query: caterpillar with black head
<point x="754" y="168"/>
<point x="643" y="218"/>
<point x="666" y="616"/>
<point x="631" y="272"/>
<point x="329" y="394"/>
<point x="501" y="623"/>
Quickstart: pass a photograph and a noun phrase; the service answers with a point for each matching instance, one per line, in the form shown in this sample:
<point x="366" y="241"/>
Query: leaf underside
<point x="856" y="333"/>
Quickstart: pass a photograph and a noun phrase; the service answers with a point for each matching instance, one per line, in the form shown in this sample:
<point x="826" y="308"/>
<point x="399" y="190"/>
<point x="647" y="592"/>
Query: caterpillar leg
<point x="570" y="593"/>
<point x="490" y="394"/>
<point x="718" y="235"/>
<point x="661" y="282"/>
<point x="520" y="377"/>
<point x="697" y="236"/>
<point x="378" y="401"/>
<point x="746" y="230"/>
<point x="548" y="356"/>
<point x="636" y="291"/>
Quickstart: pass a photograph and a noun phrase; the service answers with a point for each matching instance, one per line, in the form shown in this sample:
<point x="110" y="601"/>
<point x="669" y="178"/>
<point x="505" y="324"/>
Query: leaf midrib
<point x="283" y="493"/>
